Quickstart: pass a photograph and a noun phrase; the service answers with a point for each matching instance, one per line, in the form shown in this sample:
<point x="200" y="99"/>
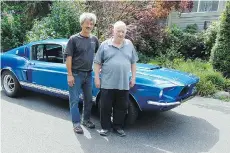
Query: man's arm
<point x="133" y="70"/>
<point x="133" y="79"/>
<point x="97" y="68"/>
<point x="98" y="61"/>
<point x="133" y="66"/>
<point x="69" y="65"/>
<point x="69" y="55"/>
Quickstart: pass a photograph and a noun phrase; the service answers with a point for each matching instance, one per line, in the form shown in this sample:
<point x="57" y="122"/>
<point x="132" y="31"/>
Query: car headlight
<point x="194" y="90"/>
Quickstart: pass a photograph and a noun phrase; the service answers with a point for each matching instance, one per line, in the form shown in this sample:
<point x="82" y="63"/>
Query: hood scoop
<point x="148" y="68"/>
<point x="155" y="68"/>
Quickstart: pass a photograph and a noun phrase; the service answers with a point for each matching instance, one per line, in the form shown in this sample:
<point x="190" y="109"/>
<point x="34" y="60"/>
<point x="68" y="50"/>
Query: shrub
<point x="17" y="18"/>
<point x="227" y="85"/>
<point x="13" y="26"/>
<point x="143" y="58"/>
<point x="220" y="52"/>
<point x="187" y="44"/>
<point x="192" y="46"/>
<point x="148" y="37"/>
<point x="210" y="37"/>
<point x="217" y="79"/>
<point x="168" y="57"/>
<point x="205" y="88"/>
<point x="191" y="28"/>
<point x="61" y="23"/>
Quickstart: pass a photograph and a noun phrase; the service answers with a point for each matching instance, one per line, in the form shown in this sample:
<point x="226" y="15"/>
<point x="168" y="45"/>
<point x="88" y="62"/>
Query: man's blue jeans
<point x="82" y="80"/>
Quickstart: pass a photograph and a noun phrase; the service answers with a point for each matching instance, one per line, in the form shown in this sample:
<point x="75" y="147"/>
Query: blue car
<point x="40" y="67"/>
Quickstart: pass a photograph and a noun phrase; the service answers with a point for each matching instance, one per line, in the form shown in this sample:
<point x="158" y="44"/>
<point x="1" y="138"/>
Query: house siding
<point x="199" y="18"/>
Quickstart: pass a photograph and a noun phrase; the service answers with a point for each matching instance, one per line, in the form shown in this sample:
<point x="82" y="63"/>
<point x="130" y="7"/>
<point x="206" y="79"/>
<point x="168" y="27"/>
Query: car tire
<point x="10" y="84"/>
<point x="132" y="114"/>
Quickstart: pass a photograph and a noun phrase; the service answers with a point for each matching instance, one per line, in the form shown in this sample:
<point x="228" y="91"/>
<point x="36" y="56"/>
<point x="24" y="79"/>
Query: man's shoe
<point x="78" y="129"/>
<point x="88" y="124"/>
<point x="120" y="132"/>
<point x="104" y="132"/>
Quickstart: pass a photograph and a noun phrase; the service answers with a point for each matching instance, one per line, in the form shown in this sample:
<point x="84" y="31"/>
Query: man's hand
<point x="132" y="82"/>
<point x="70" y="80"/>
<point x="97" y="82"/>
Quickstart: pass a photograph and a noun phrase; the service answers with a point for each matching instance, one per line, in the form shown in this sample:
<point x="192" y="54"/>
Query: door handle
<point x="32" y="63"/>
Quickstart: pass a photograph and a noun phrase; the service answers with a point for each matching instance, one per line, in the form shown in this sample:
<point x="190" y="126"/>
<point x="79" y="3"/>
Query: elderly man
<point x="115" y="57"/>
<point x="80" y="53"/>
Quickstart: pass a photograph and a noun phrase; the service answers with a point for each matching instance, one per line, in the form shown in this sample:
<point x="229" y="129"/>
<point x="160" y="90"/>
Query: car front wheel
<point x="10" y="84"/>
<point x="132" y="114"/>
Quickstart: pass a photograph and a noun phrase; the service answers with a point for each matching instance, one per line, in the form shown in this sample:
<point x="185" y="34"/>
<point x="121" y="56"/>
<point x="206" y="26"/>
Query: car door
<point x="47" y="69"/>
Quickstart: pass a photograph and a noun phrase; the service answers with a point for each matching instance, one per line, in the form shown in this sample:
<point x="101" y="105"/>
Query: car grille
<point x="184" y="91"/>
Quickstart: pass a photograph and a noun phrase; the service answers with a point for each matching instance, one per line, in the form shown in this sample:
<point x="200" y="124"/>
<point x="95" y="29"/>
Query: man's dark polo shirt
<point x="82" y="50"/>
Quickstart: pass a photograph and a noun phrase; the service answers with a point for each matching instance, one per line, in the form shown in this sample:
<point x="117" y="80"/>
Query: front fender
<point x="15" y="64"/>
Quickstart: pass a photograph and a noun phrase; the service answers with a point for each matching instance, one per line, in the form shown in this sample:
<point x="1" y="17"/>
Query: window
<point x="37" y="52"/>
<point x="208" y="6"/>
<point x="47" y="53"/>
<point x="205" y="6"/>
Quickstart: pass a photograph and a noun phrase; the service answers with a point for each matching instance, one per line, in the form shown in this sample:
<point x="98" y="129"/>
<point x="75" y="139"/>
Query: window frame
<point x="31" y="51"/>
<point x="198" y="8"/>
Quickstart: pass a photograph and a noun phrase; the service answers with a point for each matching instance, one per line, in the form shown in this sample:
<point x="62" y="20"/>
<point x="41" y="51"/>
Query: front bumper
<point x="166" y="104"/>
<point x="163" y="103"/>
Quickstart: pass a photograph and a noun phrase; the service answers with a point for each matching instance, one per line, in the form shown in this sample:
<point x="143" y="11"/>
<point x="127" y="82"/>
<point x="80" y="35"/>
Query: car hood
<point x="162" y="76"/>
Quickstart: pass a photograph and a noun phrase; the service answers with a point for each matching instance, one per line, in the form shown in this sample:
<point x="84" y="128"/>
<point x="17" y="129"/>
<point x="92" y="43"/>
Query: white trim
<point x="44" y="88"/>
<point x="199" y="14"/>
<point x="50" y="89"/>
<point x="171" y="103"/>
<point x="160" y="77"/>
<point x="163" y="103"/>
<point x="198" y="7"/>
<point x="218" y="6"/>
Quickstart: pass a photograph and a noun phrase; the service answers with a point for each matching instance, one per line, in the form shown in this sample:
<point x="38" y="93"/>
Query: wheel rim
<point x="8" y="83"/>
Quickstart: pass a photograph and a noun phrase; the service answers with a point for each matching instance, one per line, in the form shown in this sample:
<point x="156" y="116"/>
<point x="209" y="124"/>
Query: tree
<point x="144" y="19"/>
<point x="108" y="12"/>
<point x="220" y="55"/>
<point x="210" y="37"/>
<point x="150" y="24"/>
<point x="17" y="18"/>
<point x="62" y="22"/>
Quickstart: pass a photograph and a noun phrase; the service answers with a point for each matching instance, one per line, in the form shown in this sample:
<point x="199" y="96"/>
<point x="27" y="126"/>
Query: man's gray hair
<point x="119" y="23"/>
<point x="89" y="16"/>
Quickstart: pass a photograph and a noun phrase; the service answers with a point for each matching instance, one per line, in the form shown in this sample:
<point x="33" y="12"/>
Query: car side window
<point x="48" y="53"/>
<point x="38" y="52"/>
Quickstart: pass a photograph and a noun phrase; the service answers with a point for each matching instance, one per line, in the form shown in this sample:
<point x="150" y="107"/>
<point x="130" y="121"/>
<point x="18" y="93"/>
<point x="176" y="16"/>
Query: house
<point x="202" y="14"/>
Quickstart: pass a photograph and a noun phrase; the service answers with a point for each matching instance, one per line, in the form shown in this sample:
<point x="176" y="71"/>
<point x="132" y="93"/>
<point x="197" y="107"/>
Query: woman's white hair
<point x="89" y="16"/>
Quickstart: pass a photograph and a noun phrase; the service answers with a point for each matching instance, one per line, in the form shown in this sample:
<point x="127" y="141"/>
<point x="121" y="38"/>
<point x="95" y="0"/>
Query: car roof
<point x="50" y="41"/>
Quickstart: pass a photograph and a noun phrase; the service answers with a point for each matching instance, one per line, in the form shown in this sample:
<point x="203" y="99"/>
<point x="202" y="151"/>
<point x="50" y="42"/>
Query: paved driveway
<point x="41" y="124"/>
